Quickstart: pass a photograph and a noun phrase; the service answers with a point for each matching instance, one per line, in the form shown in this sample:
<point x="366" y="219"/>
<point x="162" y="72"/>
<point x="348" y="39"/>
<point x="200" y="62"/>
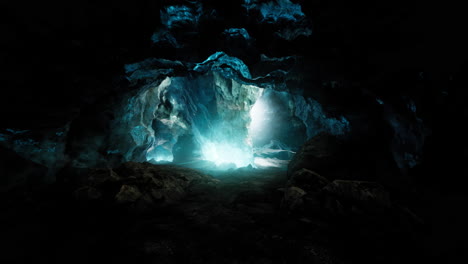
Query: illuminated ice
<point x="276" y="10"/>
<point x="222" y="153"/>
<point x="176" y="16"/>
<point x="218" y="116"/>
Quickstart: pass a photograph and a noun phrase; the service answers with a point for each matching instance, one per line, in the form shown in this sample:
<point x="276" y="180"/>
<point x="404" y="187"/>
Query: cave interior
<point x="241" y="131"/>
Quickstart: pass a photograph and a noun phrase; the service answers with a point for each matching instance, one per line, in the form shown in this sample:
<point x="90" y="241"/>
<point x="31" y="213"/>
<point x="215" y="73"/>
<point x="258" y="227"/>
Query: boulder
<point x="142" y="186"/>
<point x="320" y="154"/>
<point x="293" y="198"/>
<point x="304" y="191"/>
<point x="308" y="180"/>
<point x="128" y="194"/>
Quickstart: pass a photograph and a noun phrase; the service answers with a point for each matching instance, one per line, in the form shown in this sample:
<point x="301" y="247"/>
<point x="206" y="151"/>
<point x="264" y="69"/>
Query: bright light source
<point x="159" y="154"/>
<point x="258" y="115"/>
<point x="270" y="163"/>
<point x="222" y="153"/>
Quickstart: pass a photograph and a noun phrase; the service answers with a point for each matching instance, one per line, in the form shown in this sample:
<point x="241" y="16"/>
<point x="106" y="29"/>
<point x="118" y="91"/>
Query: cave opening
<point x="217" y="123"/>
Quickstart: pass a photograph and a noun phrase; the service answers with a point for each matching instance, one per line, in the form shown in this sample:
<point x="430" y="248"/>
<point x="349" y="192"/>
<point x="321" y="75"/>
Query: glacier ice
<point x="281" y="9"/>
<point x="276" y="10"/>
<point x="211" y="110"/>
<point x="229" y="66"/>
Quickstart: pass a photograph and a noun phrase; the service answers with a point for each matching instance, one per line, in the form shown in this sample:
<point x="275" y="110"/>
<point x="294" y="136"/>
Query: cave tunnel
<point x="240" y="131"/>
<point x="216" y="122"/>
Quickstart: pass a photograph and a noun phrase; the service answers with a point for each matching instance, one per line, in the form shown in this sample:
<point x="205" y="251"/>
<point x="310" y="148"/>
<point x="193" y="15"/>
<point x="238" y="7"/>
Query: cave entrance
<point x="214" y="122"/>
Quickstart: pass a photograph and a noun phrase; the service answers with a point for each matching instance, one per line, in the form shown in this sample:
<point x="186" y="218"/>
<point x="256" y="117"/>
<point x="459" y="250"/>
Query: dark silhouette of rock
<point x="320" y="154"/>
<point x="308" y="180"/>
<point x="140" y="186"/>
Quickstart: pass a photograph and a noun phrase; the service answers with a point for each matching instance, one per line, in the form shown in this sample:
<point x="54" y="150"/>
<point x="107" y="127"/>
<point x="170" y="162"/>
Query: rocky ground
<point x="144" y="213"/>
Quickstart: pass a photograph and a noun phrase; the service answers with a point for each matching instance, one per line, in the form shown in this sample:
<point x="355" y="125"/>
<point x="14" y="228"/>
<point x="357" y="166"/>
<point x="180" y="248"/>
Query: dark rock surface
<point x="138" y="186"/>
<point x="321" y="154"/>
<point x="159" y="213"/>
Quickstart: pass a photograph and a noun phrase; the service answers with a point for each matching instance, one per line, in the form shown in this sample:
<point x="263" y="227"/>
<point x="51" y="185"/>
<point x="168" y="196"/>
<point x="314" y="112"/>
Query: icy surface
<point x="229" y="67"/>
<point x="276" y="10"/>
<point x="217" y="113"/>
<point x="180" y="15"/>
<point x="212" y="111"/>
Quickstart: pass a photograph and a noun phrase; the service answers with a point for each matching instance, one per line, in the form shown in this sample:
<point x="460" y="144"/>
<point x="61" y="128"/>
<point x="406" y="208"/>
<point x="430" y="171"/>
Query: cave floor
<point x="238" y="219"/>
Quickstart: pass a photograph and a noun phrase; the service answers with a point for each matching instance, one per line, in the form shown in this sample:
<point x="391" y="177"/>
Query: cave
<point x="243" y="131"/>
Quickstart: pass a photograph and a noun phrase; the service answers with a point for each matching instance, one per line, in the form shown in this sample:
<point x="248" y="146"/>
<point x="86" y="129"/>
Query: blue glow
<point x="281" y="9"/>
<point x="173" y="16"/>
<point x="218" y="116"/>
<point x="160" y="155"/>
<point x="228" y="66"/>
<point x="163" y="36"/>
<point x="139" y="135"/>
<point x="25" y="142"/>
<point x="113" y="151"/>
<point x="225" y="153"/>
<point x="259" y="117"/>
<point x="275" y="10"/>
<point x="16" y="132"/>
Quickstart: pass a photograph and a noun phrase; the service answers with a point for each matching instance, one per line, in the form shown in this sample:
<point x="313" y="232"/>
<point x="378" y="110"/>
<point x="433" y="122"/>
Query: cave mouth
<point x="216" y="123"/>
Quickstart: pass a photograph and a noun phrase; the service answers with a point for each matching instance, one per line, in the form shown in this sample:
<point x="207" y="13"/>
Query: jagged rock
<point x="293" y="198"/>
<point x="128" y="194"/>
<point x="304" y="191"/>
<point x="142" y="186"/>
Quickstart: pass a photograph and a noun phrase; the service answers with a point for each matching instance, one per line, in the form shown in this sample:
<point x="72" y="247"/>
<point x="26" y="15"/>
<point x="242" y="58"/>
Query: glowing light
<point x="258" y="116"/>
<point x="159" y="154"/>
<point x="270" y="163"/>
<point x="161" y="158"/>
<point x="222" y="153"/>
